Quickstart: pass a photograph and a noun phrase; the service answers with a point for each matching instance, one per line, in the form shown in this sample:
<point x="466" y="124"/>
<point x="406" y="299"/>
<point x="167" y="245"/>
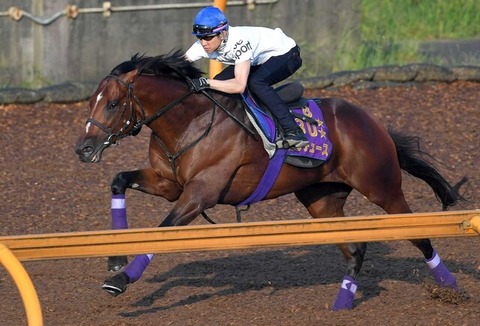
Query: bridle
<point x="114" y="137"/>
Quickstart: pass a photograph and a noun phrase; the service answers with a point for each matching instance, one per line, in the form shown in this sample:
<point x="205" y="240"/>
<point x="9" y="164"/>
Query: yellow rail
<point x="245" y="235"/>
<point x="220" y="237"/>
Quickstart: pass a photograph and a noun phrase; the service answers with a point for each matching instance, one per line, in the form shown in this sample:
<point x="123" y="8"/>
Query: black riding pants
<point x="263" y="76"/>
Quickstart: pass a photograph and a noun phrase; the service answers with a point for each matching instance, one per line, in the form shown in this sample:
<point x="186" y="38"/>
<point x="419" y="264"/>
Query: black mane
<point x="172" y="64"/>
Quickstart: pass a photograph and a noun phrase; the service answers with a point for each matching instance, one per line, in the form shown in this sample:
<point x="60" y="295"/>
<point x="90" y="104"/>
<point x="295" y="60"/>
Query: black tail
<point x="410" y="158"/>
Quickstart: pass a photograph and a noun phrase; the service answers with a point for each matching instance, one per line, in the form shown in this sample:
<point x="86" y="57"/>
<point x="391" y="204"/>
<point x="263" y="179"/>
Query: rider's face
<point x="210" y="43"/>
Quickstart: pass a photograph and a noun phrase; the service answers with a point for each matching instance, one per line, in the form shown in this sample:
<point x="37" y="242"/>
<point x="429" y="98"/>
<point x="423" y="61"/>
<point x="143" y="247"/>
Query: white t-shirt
<point x="257" y="44"/>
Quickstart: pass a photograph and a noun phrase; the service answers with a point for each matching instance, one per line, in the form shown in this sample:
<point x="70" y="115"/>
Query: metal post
<point x="215" y="66"/>
<point x="24" y="285"/>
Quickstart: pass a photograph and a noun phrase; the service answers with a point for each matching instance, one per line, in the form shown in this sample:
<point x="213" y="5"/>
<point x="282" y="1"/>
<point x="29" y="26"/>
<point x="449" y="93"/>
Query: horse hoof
<point x="116" y="263"/>
<point x="117" y="284"/>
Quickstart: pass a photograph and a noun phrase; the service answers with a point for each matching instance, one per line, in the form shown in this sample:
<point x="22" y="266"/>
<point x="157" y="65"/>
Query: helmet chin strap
<point x="224" y="35"/>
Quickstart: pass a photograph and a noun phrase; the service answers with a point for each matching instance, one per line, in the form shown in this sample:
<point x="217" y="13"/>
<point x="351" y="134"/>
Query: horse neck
<point x="156" y="93"/>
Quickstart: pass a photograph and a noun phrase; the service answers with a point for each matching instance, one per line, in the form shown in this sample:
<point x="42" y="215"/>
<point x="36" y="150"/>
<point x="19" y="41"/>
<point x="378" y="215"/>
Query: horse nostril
<point x="87" y="150"/>
<point x="84" y="151"/>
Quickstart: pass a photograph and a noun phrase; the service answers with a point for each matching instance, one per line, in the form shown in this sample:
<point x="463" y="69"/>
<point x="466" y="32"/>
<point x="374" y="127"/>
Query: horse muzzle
<point x="88" y="152"/>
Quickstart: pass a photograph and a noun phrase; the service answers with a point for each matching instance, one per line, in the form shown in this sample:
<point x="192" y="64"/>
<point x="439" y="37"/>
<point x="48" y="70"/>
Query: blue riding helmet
<point x="210" y="20"/>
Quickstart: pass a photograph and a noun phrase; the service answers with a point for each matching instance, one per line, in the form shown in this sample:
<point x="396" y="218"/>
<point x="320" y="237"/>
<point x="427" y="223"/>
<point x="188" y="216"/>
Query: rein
<point x="173" y="157"/>
<point x="179" y="100"/>
<point x="234" y="118"/>
<point x="220" y="105"/>
<point x="112" y="137"/>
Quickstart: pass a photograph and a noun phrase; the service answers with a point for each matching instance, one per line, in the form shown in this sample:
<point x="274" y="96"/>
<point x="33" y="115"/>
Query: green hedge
<point x="392" y="29"/>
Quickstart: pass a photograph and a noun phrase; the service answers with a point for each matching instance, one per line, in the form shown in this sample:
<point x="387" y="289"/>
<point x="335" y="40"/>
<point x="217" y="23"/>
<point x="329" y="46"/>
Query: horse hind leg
<point x="354" y="254"/>
<point x="438" y="270"/>
<point x="328" y="200"/>
<point x="409" y="155"/>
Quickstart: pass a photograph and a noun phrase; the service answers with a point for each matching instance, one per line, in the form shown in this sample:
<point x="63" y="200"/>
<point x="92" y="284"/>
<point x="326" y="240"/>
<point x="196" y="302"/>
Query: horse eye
<point x="112" y="105"/>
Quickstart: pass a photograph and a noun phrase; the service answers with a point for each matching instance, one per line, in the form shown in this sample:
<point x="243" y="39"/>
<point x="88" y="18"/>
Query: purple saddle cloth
<point x="310" y="119"/>
<point x="315" y="129"/>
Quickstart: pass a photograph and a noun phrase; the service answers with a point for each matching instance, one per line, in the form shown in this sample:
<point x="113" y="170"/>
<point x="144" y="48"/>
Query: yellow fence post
<point x="215" y="66"/>
<point x="475" y="223"/>
<point x="24" y="285"/>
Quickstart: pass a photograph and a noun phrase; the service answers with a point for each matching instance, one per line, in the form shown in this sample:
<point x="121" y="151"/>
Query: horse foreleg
<point x="119" y="221"/>
<point x="190" y="204"/>
<point x="148" y="181"/>
<point x="197" y="196"/>
<point x="145" y="180"/>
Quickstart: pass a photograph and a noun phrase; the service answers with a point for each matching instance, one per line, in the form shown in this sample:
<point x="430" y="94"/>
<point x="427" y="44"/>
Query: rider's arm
<point x="235" y="85"/>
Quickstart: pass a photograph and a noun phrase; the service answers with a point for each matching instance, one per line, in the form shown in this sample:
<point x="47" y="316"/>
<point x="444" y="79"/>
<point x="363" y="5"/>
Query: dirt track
<point x="45" y="189"/>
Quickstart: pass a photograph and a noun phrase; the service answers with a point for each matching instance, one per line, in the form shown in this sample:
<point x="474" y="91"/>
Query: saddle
<point x="307" y="115"/>
<point x="310" y="119"/>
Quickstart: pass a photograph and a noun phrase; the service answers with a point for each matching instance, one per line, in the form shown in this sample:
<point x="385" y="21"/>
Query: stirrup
<point x="289" y="143"/>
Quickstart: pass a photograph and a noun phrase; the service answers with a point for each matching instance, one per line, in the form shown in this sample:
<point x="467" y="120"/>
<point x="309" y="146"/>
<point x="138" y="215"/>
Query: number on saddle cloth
<point x="308" y="116"/>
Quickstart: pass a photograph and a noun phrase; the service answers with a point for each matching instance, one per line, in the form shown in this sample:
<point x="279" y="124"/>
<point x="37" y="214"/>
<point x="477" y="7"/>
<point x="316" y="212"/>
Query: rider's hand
<point x="199" y="84"/>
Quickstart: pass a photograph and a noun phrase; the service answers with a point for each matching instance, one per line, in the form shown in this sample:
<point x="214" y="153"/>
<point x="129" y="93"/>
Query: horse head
<point x="114" y="113"/>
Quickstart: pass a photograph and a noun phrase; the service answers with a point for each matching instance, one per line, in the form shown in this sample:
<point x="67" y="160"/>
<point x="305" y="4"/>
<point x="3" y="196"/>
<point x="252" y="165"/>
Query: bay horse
<point x="202" y="155"/>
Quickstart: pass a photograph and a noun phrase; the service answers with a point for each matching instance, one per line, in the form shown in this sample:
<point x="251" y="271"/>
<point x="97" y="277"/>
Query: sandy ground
<point x="45" y="189"/>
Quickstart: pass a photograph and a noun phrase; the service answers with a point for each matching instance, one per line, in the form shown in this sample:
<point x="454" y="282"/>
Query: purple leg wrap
<point x="346" y="294"/>
<point x="135" y="269"/>
<point x="119" y="212"/>
<point x="440" y="273"/>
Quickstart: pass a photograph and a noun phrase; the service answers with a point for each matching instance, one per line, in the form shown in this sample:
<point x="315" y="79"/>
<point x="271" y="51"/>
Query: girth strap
<point x="268" y="179"/>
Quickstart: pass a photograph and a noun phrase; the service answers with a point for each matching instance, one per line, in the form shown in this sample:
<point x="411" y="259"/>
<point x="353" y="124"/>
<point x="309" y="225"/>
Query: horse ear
<point x="129" y="76"/>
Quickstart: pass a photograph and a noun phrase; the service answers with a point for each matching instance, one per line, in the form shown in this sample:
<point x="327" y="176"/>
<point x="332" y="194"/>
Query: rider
<point x="259" y="55"/>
